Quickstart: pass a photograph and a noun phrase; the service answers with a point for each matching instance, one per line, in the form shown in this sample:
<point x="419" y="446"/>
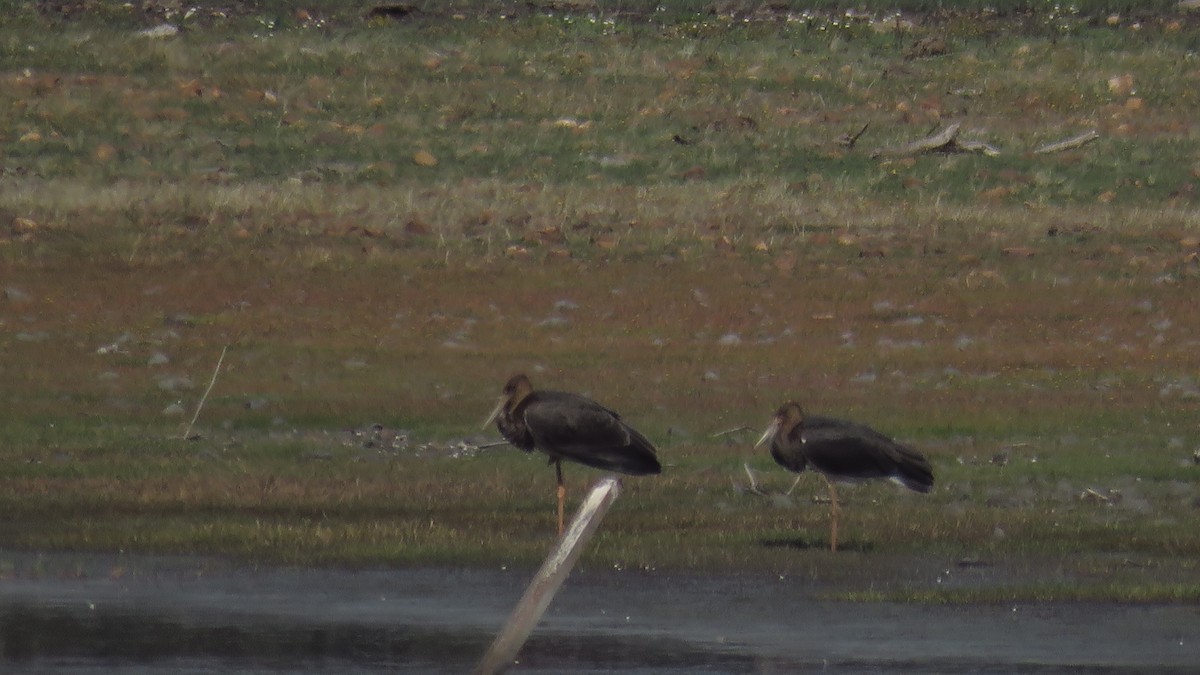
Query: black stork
<point x="572" y="427"/>
<point x="842" y="451"/>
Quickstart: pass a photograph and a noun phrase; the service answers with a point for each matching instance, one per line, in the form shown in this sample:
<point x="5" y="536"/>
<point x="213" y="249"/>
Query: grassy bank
<point x="383" y="219"/>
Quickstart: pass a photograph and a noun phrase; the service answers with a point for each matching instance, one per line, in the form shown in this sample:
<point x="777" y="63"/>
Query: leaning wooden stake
<point x="549" y="578"/>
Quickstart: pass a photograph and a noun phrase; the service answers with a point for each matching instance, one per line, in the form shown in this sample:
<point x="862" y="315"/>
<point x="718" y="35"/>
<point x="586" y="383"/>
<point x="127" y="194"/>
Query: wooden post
<point x="549" y="578"/>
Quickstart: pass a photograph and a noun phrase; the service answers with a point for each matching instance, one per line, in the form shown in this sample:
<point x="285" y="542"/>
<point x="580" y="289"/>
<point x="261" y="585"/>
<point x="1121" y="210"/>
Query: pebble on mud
<point x="16" y="295"/>
<point x="175" y="383"/>
<point x="256" y="403"/>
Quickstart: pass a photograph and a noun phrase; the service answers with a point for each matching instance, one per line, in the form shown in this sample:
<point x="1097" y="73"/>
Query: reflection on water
<point x="98" y="614"/>
<point x="40" y="638"/>
<point x="35" y="636"/>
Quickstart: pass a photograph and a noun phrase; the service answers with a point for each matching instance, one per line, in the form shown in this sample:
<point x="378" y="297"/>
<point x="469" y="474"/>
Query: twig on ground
<point x="794" y="484"/>
<point x="849" y="140"/>
<point x="199" y="406"/>
<point x="1069" y="144"/>
<point x="945" y="141"/>
<point x="980" y="147"/>
<point x="937" y="141"/>
<point x="754" y="487"/>
<point x="731" y="431"/>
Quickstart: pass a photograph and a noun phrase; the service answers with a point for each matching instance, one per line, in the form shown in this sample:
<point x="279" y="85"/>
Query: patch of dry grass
<point x="583" y="138"/>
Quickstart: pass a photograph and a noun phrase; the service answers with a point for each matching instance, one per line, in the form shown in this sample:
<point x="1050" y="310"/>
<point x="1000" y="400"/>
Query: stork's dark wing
<point x="789" y="453"/>
<point x="855" y="451"/>
<point x="578" y="429"/>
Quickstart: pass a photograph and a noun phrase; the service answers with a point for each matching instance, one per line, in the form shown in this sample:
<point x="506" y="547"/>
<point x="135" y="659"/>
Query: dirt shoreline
<point x="95" y="613"/>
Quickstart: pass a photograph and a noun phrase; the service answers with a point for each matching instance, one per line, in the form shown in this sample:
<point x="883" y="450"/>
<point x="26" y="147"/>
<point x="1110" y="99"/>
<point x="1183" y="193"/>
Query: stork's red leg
<point x="834" y="511"/>
<point x="562" y="494"/>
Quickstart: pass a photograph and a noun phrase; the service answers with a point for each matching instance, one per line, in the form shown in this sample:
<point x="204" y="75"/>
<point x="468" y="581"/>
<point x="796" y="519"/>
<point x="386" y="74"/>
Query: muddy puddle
<point x="93" y="614"/>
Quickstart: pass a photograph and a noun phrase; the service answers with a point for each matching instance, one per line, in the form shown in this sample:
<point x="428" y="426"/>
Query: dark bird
<point x="572" y="427"/>
<point x="842" y="451"/>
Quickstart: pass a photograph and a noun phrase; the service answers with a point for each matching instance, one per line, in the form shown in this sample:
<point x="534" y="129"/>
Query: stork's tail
<point x="914" y="471"/>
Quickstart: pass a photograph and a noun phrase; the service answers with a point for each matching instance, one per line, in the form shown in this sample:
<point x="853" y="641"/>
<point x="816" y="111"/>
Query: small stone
<point x="159" y="32"/>
<point x="158" y="359"/>
<point x="182" y="319"/>
<point x="104" y="153"/>
<point x="24" y="226"/>
<point x="1120" y="85"/>
<point x="424" y="158"/>
<point x="16" y="295"/>
<point x="175" y="383"/>
<point x="173" y="410"/>
<point x="256" y="403"/>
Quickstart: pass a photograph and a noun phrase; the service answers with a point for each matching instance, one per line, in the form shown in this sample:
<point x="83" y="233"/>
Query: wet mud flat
<point x="87" y="614"/>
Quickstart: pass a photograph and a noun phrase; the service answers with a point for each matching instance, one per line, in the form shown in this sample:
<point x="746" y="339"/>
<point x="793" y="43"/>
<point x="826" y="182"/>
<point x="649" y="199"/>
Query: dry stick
<point x="204" y="398"/>
<point x="942" y="138"/>
<point x="849" y="141"/>
<point x="136" y="242"/>
<point x="945" y="140"/>
<point x="731" y="431"/>
<point x="754" y="487"/>
<point x="980" y="147"/>
<point x="1069" y="144"/>
<point x="794" y="484"/>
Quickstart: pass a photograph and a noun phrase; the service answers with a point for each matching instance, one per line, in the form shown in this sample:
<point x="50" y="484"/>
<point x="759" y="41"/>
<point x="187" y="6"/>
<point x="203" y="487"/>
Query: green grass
<point x="355" y="105"/>
<point x="1050" y="592"/>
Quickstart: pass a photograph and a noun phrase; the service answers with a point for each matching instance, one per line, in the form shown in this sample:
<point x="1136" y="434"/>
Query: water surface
<point x="94" y="614"/>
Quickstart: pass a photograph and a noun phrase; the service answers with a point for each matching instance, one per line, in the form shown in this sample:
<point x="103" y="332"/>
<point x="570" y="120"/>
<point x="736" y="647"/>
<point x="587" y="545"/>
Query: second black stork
<point x="572" y="427"/>
<point x="842" y="451"/>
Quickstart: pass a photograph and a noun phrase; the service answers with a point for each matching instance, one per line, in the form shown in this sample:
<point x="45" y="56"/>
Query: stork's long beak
<point x="495" y="413"/>
<point x="769" y="434"/>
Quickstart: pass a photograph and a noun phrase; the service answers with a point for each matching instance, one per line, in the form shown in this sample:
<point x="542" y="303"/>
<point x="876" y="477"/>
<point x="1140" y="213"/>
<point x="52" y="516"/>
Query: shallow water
<point x="73" y="614"/>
